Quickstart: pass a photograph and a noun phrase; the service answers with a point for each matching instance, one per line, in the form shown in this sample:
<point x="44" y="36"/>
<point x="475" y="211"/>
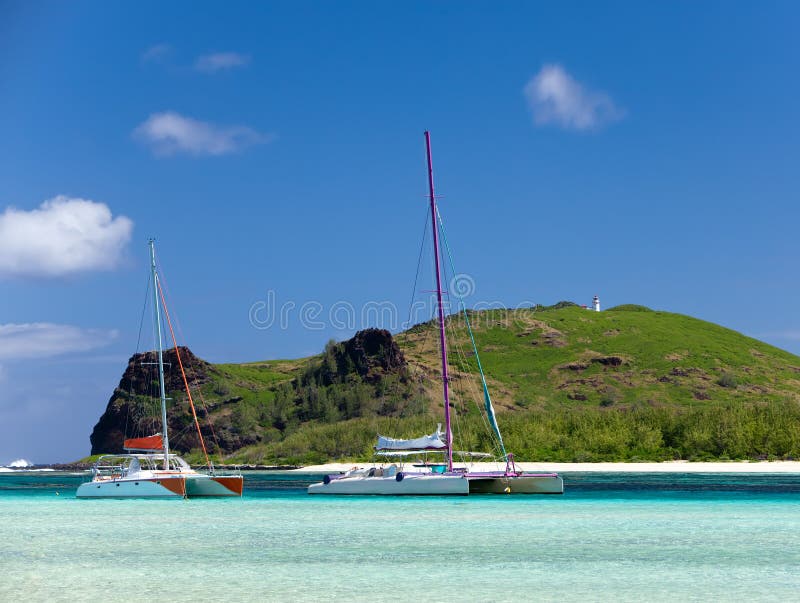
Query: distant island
<point x="570" y="385"/>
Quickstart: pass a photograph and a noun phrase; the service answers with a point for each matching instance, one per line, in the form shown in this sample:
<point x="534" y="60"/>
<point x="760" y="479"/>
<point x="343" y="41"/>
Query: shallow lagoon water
<point x="627" y="537"/>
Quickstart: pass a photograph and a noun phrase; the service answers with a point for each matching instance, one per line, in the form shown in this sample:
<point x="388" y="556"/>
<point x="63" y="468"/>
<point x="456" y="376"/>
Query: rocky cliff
<point x="243" y="405"/>
<point x="134" y="410"/>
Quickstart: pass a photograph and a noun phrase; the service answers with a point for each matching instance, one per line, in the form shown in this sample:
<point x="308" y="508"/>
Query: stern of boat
<point x="516" y="484"/>
<point x="214" y="485"/>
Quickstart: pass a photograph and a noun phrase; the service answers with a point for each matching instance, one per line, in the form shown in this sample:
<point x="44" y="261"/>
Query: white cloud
<point x="156" y="53"/>
<point x="169" y="133"/>
<point x="44" y="339"/>
<point x="555" y="97"/>
<point x="218" y="61"/>
<point x="62" y="236"/>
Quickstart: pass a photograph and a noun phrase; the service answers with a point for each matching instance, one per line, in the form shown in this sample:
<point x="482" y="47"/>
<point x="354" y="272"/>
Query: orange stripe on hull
<point x="176" y="485"/>
<point x="234" y="483"/>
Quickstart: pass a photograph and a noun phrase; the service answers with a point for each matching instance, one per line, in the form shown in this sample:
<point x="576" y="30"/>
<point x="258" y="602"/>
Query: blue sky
<point x="644" y="152"/>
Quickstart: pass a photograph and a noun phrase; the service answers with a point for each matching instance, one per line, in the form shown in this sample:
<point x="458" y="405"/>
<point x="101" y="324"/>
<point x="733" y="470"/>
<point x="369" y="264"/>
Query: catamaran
<point x="439" y="478"/>
<point x="149" y="469"/>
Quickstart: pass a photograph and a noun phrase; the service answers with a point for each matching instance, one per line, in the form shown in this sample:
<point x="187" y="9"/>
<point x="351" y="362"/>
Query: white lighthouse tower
<point x="596" y="304"/>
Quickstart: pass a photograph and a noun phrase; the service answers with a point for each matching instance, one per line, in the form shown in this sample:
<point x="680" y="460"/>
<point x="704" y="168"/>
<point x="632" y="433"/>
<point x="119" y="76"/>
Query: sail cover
<point x="428" y="442"/>
<point x="153" y="442"/>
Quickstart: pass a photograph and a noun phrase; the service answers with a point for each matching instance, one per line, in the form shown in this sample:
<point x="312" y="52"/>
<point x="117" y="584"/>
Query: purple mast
<point x="445" y="379"/>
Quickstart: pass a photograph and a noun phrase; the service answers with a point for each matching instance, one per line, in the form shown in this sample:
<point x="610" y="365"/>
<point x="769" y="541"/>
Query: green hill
<point x="568" y="384"/>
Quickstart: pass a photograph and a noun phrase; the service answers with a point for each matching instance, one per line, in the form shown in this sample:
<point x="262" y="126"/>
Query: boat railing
<point x="109" y="471"/>
<point x="223" y="471"/>
<point x="227" y="470"/>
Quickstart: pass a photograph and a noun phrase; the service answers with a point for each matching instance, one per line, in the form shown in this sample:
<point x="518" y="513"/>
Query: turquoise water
<point x="610" y="537"/>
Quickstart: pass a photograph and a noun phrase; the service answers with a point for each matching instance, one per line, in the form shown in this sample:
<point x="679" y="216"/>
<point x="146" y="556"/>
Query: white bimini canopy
<point x="428" y="442"/>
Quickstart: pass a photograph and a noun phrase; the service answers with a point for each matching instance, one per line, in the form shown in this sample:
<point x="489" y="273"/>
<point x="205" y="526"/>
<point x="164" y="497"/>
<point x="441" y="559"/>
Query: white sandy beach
<point x="666" y="467"/>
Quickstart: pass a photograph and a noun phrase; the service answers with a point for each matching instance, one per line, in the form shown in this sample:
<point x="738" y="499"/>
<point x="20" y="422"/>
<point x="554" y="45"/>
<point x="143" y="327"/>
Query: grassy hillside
<point x="623" y="356"/>
<point x="569" y="384"/>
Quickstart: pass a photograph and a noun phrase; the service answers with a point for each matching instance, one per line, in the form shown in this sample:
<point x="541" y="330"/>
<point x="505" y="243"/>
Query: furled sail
<point x="428" y="442"/>
<point x="153" y="442"/>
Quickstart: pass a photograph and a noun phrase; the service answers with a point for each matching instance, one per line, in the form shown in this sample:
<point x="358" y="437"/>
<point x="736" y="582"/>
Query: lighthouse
<point x="596" y="304"/>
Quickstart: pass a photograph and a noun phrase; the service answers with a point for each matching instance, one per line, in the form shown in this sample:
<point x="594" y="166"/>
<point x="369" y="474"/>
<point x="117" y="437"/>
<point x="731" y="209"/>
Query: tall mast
<point x="163" y="393"/>
<point x="442" y="339"/>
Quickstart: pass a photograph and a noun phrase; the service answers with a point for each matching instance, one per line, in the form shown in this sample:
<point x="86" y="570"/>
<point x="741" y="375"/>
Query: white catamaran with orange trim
<point x="150" y="470"/>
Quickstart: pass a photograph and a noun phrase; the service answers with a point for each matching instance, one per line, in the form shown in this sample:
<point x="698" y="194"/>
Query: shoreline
<point x="777" y="467"/>
<point x="769" y="467"/>
<point x="80" y="468"/>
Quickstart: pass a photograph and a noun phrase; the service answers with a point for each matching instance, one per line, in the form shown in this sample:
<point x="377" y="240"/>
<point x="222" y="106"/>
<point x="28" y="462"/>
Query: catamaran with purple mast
<point x="440" y="478"/>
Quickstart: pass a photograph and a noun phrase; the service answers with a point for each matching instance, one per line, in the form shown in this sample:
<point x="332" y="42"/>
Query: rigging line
<point x="455" y="381"/>
<point x="199" y="392"/>
<point x="469" y="384"/>
<point x="162" y="278"/>
<point x="191" y="368"/>
<point x="178" y="436"/>
<point x="205" y="410"/>
<point x="458" y="387"/>
<point x="428" y="342"/>
<point x="461" y="355"/>
<point x="394" y="422"/>
<point x="153" y="388"/>
<point x="183" y="374"/>
<point x="419" y="263"/>
<point x="489" y="408"/>
<point x="463" y="384"/>
<point x="138" y="342"/>
<point x="133" y="360"/>
<point x="418" y="375"/>
<point x="144" y="309"/>
<point x="150" y="385"/>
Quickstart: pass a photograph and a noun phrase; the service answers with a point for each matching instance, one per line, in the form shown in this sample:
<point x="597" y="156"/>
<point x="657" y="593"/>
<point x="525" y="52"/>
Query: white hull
<point x="411" y="485"/>
<point x="524" y="484"/>
<point x="185" y="486"/>
<point x="211" y="485"/>
<point x="122" y="476"/>
<point x="166" y="487"/>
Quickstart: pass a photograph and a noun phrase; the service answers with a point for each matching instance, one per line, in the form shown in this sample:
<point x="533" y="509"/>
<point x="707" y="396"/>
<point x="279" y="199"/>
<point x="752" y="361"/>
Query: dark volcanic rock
<point x="373" y="352"/>
<point x="365" y="374"/>
<point x="609" y="360"/>
<point x="370" y="354"/>
<point x="143" y="370"/>
<point x="134" y="410"/>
